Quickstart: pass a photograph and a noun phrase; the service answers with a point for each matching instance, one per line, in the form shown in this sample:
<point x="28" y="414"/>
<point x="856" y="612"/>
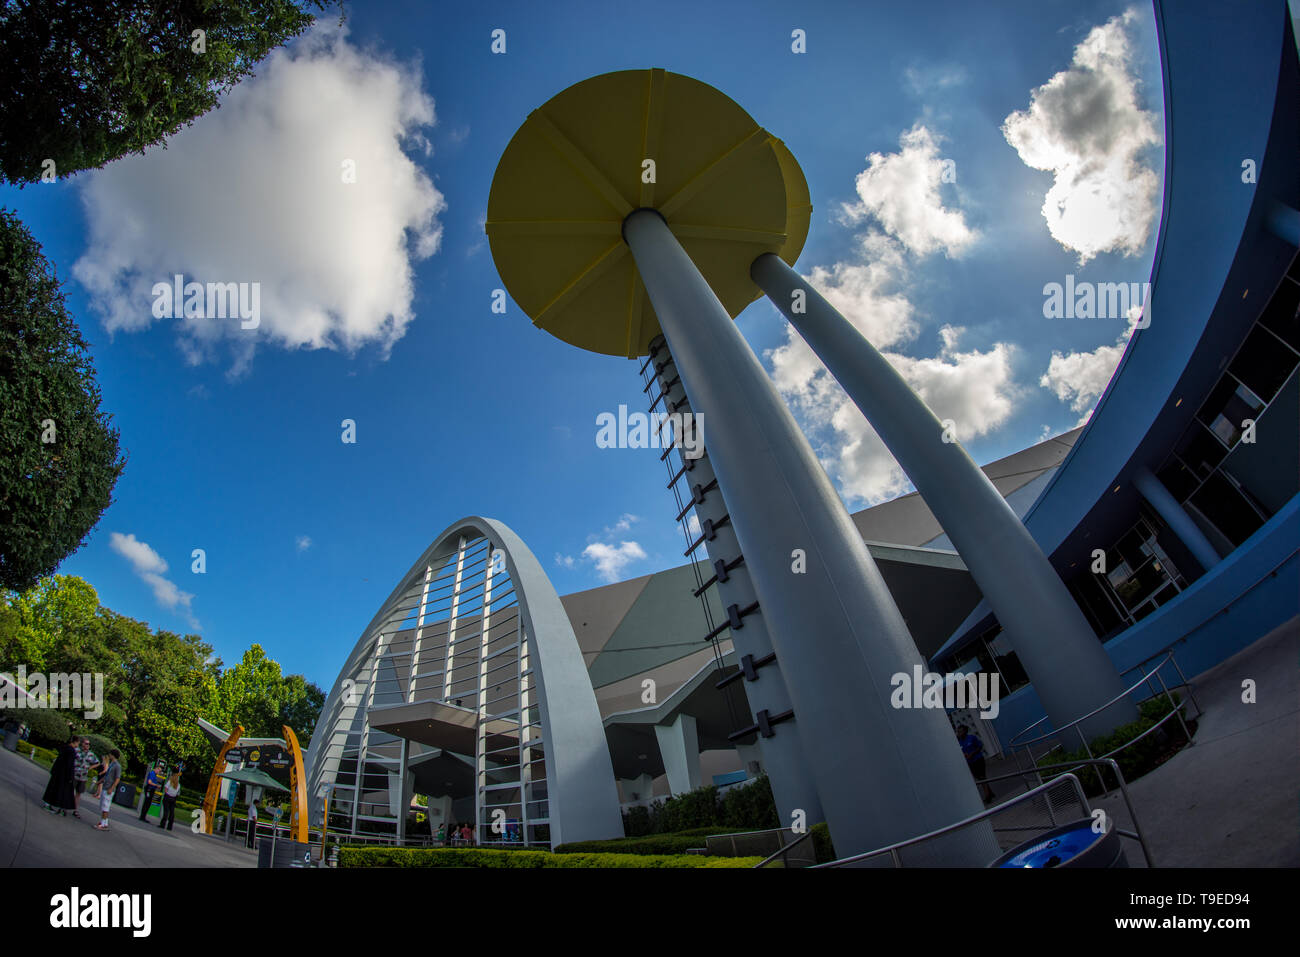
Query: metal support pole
<point x="1176" y="517"/>
<point x="884" y="774"/>
<point x="792" y="785"/>
<point x="1060" y="652"/>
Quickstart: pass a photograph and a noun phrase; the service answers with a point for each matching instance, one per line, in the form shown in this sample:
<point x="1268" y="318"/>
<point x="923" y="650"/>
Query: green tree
<point x="89" y="82"/>
<point x="160" y="686"/>
<point x="58" y="451"/>
<point x="301" y="706"/>
<point x="52" y="627"/>
<point x="252" y="694"/>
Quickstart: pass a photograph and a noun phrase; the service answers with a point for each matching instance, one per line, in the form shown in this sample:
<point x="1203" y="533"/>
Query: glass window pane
<point x="1222" y="503"/>
<point x="1282" y="314"/>
<point x="1263" y="364"/>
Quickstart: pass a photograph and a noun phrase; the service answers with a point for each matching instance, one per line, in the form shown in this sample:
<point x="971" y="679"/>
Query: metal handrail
<point x="1175" y="709"/>
<point x="893" y="849"/>
<point x="1136" y="834"/>
<point x="783" y="851"/>
<point x="1014" y="744"/>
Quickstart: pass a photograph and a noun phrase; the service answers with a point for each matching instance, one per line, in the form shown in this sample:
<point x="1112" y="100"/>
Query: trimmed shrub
<point x="49" y="728"/>
<point x="821" y="838"/>
<point x="653" y="844"/>
<point x="750" y="807"/>
<point x="706" y="831"/>
<point x="483" y="857"/>
<point x="44" y="756"/>
<point x="679" y="842"/>
<point x="1134" y="761"/>
<point x="698" y="808"/>
<point x="636" y="821"/>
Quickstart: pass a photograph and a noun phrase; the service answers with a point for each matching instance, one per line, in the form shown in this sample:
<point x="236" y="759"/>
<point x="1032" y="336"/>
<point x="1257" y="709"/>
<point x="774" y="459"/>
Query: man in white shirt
<point x="252" y="823"/>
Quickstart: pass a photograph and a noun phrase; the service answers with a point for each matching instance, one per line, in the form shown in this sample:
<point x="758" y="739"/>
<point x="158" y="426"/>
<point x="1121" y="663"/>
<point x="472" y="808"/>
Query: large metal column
<point x="793" y="790"/>
<point x="1176" y="517"/>
<point x="1059" y="650"/>
<point x="883" y="774"/>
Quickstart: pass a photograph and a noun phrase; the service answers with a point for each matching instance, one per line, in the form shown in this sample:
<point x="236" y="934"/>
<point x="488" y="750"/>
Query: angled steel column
<point x="883" y="774"/>
<point x="793" y="787"/>
<point x="1176" y="517"/>
<point x="1059" y="650"/>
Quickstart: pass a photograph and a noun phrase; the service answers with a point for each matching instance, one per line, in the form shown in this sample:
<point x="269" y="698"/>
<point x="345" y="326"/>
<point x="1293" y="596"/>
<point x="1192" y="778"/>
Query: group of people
<point x="456" y="835"/>
<point x="154" y="781"/>
<point x="70" y="778"/>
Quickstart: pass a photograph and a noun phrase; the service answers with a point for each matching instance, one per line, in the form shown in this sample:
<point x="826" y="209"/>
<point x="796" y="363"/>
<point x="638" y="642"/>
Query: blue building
<point x="1174" y="518"/>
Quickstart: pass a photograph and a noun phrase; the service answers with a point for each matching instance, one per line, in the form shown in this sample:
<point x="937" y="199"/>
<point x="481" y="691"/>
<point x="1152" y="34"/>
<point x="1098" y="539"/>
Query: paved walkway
<point x="32" y="837"/>
<point x="1230" y="799"/>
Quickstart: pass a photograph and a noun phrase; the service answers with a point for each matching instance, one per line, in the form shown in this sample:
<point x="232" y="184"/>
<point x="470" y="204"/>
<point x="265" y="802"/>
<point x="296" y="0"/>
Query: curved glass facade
<point x="443" y="698"/>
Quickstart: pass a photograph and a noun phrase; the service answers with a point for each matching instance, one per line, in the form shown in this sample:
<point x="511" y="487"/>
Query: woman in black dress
<point x="59" y="793"/>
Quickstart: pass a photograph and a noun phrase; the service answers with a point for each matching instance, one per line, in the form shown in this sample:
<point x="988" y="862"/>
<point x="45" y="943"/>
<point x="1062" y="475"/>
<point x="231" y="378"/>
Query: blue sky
<point x="376" y="295"/>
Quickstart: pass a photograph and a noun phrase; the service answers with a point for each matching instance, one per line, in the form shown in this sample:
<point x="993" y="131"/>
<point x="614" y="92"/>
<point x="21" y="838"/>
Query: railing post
<point x="1187" y="732"/>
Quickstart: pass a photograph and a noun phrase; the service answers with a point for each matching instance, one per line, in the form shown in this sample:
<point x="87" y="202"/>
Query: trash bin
<point x="125" y="795"/>
<point x="1075" y="844"/>
<point x="287" y="853"/>
<point x="1070" y="845"/>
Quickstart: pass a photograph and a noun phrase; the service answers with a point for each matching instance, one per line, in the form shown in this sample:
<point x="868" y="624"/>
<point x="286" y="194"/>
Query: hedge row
<point x="653" y="844"/>
<point x="483" y="857"/>
<point x="748" y="807"/>
<point x="683" y="841"/>
<point x="44" y="756"/>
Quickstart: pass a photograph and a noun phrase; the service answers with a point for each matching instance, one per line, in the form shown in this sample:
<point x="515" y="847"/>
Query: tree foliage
<point x="157" y="684"/>
<point x="89" y="82"/>
<point x="59" y="454"/>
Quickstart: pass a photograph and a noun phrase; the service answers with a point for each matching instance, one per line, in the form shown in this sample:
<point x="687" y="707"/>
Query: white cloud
<point x="625" y="521"/>
<point x="302" y="542"/>
<point x="1081" y="377"/>
<point x="901" y="191"/>
<point x="975" y="389"/>
<point x="865" y="292"/>
<point x="610" y="560"/>
<point x="925" y="80"/>
<point x="150" y="566"/>
<point x="254" y="192"/>
<point x="607" y="557"/>
<point x="1086" y="127"/>
<point x="142" y="558"/>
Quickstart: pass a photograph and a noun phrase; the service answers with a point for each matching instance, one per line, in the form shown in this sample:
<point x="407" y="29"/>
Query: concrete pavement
<point x="1230" y="799"/>
<point x="32" y="837"/>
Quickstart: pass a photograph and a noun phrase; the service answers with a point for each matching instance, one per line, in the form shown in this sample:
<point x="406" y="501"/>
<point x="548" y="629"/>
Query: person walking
<point x="86" y="759"/>
<point x="60" y="793"/>
<point x="252" y="823"/>
<point x="973" y="748"/>
<point x="108" y="780"/>
<point x="152" y="782"/>
<point x="170" y="791"/>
